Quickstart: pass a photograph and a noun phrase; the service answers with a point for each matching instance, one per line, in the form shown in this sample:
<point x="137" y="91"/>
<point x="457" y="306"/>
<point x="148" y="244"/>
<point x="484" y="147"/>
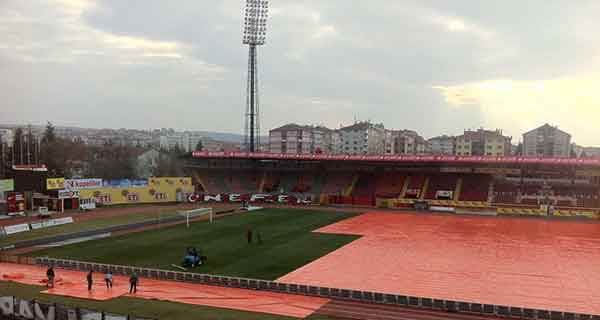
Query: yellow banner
<point x="55" y="183"/>
<point x="158" y="190"/>
<point x="588" y="173"/>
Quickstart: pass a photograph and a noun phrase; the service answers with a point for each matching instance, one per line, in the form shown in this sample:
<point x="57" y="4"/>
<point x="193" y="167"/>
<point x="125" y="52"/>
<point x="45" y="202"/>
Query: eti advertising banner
<point x="55" y="183"/>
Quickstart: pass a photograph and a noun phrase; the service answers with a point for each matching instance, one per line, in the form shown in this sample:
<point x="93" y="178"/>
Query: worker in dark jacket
<point x="50" y="275"/>
<point x="249" y="236"/>
<point x="133" y="282"/>
<point x="90" y="280"/>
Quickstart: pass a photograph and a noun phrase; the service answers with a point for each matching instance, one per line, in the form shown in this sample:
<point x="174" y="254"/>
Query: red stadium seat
<point x="475" y="188"/>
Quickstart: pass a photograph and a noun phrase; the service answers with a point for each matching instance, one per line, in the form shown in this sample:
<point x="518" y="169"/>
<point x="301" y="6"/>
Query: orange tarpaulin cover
<point x="522" y="262"/>
<point x="74" y="284"/>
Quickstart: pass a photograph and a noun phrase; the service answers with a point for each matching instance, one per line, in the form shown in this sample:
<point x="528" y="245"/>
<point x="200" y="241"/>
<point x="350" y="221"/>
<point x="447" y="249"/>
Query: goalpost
<point x="197" y="213"/>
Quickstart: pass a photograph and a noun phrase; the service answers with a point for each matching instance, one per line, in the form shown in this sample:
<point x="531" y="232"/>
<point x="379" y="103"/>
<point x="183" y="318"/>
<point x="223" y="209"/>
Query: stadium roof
<point x="447" y="159"/>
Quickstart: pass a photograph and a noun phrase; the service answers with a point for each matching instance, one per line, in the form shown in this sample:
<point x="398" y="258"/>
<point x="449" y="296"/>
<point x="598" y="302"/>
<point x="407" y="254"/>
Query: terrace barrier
<point x="323" y="292"/>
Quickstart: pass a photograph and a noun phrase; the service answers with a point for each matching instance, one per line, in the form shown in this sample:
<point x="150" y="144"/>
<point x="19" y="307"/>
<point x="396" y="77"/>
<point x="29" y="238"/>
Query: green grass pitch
<point x="287" y="244"/>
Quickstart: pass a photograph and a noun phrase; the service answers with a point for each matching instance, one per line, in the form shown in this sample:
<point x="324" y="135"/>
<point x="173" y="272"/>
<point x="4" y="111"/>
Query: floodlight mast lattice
<point x="255" y="32"/>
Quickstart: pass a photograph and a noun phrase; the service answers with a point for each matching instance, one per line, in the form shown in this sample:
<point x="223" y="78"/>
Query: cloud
<point x="61" y="35"/>
<point x="572" y="102"/>
<point x="429" y="65"/>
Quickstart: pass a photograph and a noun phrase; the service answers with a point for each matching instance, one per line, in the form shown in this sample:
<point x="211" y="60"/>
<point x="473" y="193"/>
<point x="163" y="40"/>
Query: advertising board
<point x="78" y="184"/>
<point x="55" y="183"/>
<point x="7" y="185"/>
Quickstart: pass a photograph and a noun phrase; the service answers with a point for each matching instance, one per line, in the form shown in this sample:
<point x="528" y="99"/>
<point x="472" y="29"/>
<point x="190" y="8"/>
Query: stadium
<point x="382" y="232"/>
<point x="503" y="185"/>
<point x="336" y="237"/>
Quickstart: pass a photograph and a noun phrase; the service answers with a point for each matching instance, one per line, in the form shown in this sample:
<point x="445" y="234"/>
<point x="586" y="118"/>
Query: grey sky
<point x="433" y="66"/>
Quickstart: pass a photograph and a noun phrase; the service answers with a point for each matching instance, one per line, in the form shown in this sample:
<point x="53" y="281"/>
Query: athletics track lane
<point x="73" y="284"/>
<point x="533" y="263"/>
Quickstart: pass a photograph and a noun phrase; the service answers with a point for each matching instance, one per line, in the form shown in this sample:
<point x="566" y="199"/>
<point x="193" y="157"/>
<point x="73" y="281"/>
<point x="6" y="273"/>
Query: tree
<point x="49" y="134"/>
<point x="199" y="146"/>
<point x="18" y="147"/>
<point x="168" y="164"/>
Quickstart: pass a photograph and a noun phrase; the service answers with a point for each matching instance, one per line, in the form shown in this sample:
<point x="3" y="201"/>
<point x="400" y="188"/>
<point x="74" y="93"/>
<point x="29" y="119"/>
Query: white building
<point x="408" y="142"/>
<point x="297" y="139"/>
<point x="363" y="138"/>
<point x="441" y="145"/>
<point x="186" y="141"/>
<point x="483" y="143"/>
<point x="6" y="136"/>
<point x="547" y="141"/>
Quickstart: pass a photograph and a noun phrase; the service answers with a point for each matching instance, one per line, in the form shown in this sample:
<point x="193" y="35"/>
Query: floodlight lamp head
<point x="255" y="22"/>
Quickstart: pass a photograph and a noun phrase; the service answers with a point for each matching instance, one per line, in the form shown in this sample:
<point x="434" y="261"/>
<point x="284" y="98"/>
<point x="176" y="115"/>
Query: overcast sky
<point x="432" y="66"/>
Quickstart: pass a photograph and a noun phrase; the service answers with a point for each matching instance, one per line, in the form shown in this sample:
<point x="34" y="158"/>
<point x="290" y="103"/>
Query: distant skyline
<point x="433" y="66"/>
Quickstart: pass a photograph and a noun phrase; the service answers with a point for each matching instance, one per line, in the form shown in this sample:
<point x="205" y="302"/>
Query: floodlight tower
<point x="255" y="32"/>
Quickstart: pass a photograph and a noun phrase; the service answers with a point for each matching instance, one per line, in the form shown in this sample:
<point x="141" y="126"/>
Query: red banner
<point x="396" y="158"/>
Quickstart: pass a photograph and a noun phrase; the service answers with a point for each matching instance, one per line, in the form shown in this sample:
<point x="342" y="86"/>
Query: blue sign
<point x="125" y="183"/>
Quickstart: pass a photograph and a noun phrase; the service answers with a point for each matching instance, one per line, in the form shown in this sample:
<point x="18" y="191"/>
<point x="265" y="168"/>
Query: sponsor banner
<point x="252" y="198"/>
<point x="413" y="192"/>
<point x="444" y="194"/>
<point x="87" y="204"/>
<point x="441" y="209"/>
<point x="588" y="173"/>
<point x="7" y="185"/>
<point x="17" y="228"/>
<point x="24" y="309"/>
<point x="125" y="183"/>
<point x="498" y="171"/>
<point x="55" y="183"/>
<point x="68" y="194"/>
<point x="78" y="184"/>
<point x="17" y="308"/>
<point x="51" y="223"/>
<point x="456" y="169"/>
<point x="158" y="191"/>
<point x="183" y="181"/>
<point x="30" y="167"/>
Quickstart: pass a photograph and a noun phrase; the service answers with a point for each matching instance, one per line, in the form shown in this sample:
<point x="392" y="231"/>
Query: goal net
<point x="194" y="213"/>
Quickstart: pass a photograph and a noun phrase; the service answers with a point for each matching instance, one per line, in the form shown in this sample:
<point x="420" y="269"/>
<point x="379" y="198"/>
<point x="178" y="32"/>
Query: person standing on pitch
<point x="133" y="281"/>
<point x="108" y="279"/>
<point x="50" y="275"/>
<point x="249" y="236"/>
<point x="90" y="280"/>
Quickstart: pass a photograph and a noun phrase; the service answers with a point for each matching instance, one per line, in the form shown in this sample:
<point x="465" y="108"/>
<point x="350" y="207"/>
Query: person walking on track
<point x="133" y="282"/>
<point x="90" y="280"/>
<point x="50" y="275"/>
<point x="108" y="279"/>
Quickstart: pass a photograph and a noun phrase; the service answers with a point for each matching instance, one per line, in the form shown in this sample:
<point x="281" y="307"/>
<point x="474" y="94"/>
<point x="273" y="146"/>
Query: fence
<point x="324" y="292"/>
<point x="17" y="308"/>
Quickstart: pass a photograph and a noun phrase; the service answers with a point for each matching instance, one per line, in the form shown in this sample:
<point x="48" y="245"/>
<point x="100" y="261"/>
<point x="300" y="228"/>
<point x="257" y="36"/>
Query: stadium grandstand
<point x="505" y="184"/>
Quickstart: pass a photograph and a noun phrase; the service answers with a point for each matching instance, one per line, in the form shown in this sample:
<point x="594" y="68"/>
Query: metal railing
<point x="324" y="292"/>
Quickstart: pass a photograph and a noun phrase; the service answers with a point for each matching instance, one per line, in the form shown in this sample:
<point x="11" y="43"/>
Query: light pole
<point x="255" y="32"/>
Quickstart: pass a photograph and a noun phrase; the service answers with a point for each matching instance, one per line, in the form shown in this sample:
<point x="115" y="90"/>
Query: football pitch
<point x="287" y="243"/>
